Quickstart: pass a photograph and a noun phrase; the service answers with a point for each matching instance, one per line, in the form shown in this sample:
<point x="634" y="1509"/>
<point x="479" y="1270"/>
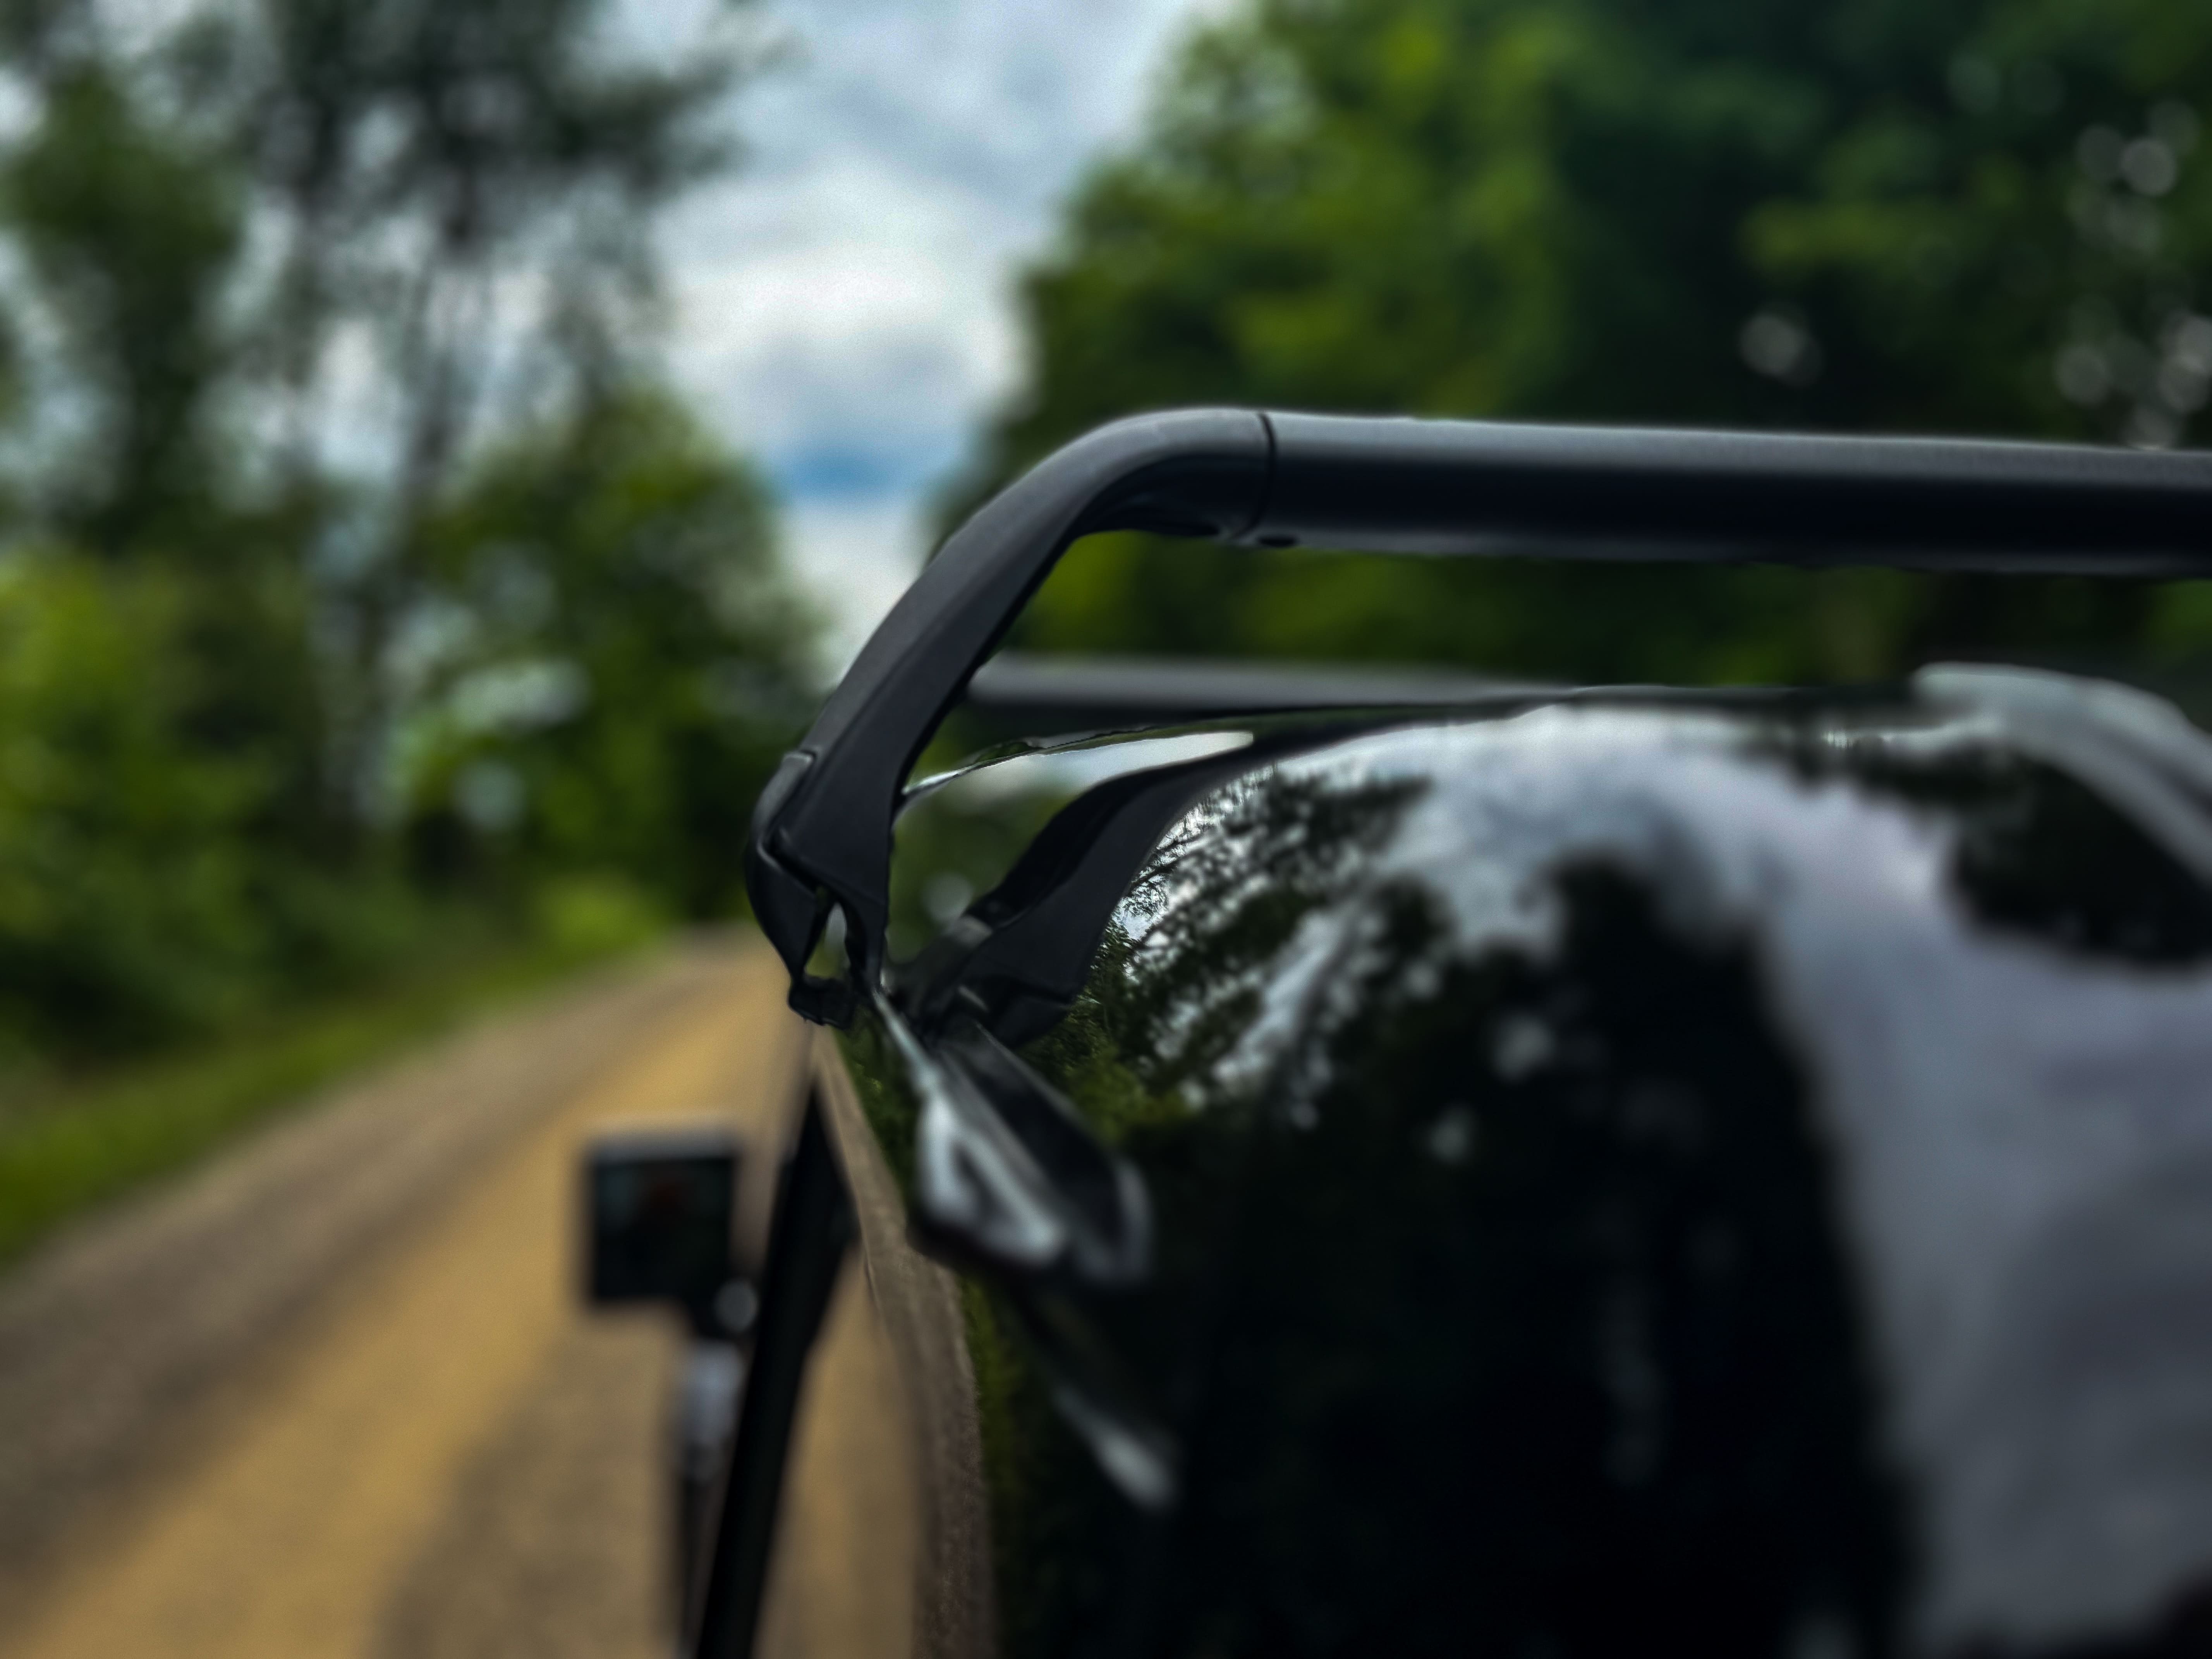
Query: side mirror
<point x="660" y="1208"/>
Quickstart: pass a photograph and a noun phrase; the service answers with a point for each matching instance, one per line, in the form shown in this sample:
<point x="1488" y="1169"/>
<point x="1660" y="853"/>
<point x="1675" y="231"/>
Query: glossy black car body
<point x="1560" y="1173"/>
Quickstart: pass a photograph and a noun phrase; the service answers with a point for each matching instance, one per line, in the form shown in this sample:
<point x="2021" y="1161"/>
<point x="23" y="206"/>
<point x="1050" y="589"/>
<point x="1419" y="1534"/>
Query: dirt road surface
<point x="332" y="1393"/>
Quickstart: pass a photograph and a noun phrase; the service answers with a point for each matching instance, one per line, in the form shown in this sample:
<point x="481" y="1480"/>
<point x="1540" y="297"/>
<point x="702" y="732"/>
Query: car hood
<point x="1972" y="921"/>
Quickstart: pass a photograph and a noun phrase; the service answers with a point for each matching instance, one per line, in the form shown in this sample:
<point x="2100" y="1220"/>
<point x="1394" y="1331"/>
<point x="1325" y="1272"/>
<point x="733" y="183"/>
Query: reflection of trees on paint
<point x="1207" y="922"/>
<point x="1501" y="1315"/>
<point x="2034" y="850"/>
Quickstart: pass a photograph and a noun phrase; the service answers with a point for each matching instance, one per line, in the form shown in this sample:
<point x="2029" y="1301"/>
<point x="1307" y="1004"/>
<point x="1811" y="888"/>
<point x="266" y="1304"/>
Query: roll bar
<point x="821" y="831"/>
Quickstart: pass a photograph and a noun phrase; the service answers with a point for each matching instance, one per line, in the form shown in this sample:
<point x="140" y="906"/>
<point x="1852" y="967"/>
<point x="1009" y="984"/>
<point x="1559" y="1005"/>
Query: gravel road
<point x="330" y="1395"/>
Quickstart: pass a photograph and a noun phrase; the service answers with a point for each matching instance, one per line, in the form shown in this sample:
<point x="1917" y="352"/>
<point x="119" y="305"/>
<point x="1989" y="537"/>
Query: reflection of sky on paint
<point x="842" y="304"/>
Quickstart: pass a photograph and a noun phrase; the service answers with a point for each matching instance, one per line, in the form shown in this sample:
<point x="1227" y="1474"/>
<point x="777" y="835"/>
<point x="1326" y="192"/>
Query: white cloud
<point x="851" y="317"/>
<point x="854" y="558"/>
<point x="842" y="303"/>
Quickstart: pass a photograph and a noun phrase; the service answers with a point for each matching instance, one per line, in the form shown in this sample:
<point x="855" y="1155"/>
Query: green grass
<point x="78" y="1144"/>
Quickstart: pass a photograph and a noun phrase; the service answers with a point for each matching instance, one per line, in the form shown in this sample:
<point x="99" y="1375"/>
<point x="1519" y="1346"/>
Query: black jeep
<point x="1520" y="1171"/>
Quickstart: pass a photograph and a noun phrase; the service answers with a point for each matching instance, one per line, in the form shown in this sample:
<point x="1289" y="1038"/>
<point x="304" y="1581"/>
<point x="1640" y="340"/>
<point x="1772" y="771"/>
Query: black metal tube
<point x="1934" y="503"/>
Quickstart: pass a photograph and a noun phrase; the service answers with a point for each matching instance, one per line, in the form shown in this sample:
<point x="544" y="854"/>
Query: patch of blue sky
<point x="851" y="474"/>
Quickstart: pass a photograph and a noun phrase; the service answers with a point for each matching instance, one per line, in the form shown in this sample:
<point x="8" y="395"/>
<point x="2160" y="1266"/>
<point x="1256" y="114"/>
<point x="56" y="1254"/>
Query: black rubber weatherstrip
<point x="807" y="1239"/>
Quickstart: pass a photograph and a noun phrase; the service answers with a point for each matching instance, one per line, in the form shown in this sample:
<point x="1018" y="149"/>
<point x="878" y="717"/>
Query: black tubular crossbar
<point x="820" y="833"/>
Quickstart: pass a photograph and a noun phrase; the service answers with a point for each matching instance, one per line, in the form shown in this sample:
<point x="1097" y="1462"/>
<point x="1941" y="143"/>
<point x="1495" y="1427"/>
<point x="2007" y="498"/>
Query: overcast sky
<point x="843" y="300"/>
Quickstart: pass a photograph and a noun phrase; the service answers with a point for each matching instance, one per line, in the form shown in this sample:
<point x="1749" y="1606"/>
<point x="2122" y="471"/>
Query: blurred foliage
<point x="615" y="666"/>
<point x="1970" y="215"/>
<point x="359" y="586"/>
<point x="131" y="235"/>
<point x="154" y="878"/>
<point x="70" y="1141"/>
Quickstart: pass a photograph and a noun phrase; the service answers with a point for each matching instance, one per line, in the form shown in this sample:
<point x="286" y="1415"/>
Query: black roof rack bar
<point x="1030" y="695"/>
<point x="820" y="833"/>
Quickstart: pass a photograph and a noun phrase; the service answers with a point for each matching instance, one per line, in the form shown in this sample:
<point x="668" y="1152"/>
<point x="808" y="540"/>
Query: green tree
<point x="616" y="661"/>
<point x="320" y="334"/>
<point x="151" y="886"/>
<point x="448" y="207"/>
<point x="131" y="237"/>
<point x="1984" y="215"/>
